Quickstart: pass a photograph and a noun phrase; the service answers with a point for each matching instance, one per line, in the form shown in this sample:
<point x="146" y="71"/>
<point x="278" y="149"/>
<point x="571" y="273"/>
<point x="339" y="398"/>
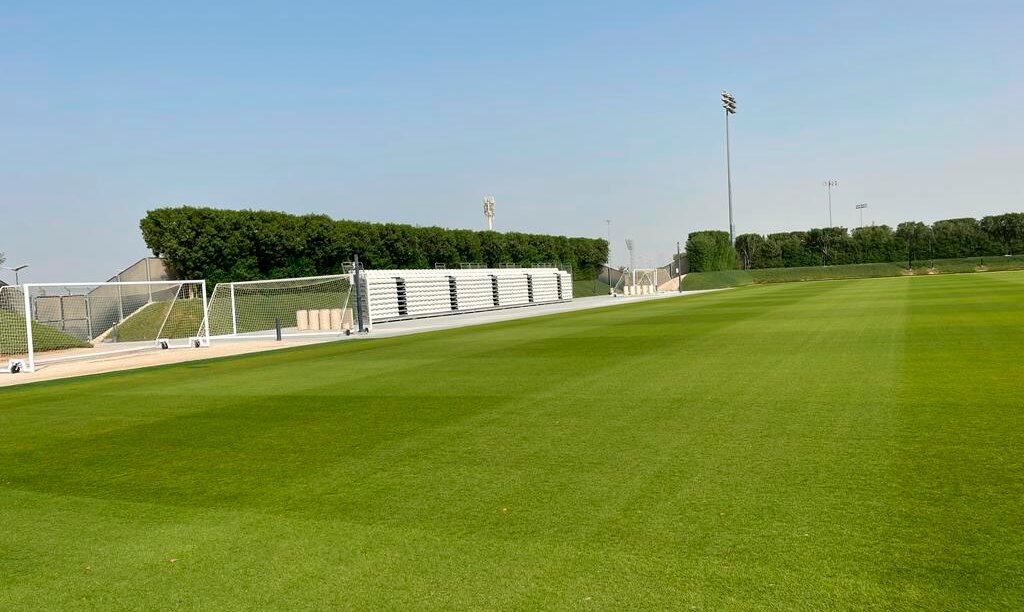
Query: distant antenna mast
<point x="489" y="211"/>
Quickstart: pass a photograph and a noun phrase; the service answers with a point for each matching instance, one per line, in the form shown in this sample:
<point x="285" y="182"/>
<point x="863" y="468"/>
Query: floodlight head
<point x="489" y="211"/>
<point x="629" y="244"/>
<point x="728" y="103"/>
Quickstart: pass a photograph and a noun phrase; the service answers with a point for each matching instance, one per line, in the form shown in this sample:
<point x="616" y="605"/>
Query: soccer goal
<point x="309" y="306"/>
<point x="638" y="281"/>
<point x="44" y="323"/>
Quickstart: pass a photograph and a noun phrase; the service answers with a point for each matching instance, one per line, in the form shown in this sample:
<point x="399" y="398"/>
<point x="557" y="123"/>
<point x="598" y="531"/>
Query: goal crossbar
<point x="267" y="281"/>
<point x="112" y="283"/>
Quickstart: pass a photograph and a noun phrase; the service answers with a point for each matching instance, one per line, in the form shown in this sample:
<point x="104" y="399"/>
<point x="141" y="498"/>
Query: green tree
<point x="832" y="246"/>
<point x="771" y="254"/>
<point x="1006" y="230"/>
<point x="816" y="241"/>
<point x="876" y="243"/>
<point x="710" y="250"/>
<point x="792" y="251"/>
<point x="916" y="237"/>
<point x="749" y="249"/>
<point x="954" y="238"/>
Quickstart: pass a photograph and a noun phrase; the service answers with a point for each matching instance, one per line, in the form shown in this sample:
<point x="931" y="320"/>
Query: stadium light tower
<point x="861" y="208"/>
<point x="729" y="104"/>
<point x="16" y="270"/>
<point x="489" y="211"/>
<point x="830" y="183"/>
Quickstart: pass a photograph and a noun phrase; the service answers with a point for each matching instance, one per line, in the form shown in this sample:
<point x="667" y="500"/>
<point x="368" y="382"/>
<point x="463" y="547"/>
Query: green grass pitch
<point x="830" y="445"/>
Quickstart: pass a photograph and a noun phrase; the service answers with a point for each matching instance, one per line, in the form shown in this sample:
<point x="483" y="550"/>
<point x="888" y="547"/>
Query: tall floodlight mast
<point x="861" y="208"/>
<point x="489" y="211"/>
<point x="729" y="104"/>
<point x="830" y="183"/>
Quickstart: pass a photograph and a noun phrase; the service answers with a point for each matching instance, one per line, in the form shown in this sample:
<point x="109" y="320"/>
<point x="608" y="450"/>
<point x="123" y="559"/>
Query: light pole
<point x="16" y="269"/>
<point x="679" y="265"/>
<point x="729" y="104"/>
<point x="632" y="263"/>
<point x="830" y="183"/>
<point x="608" y="269"/>
<point x="861" y="208"/>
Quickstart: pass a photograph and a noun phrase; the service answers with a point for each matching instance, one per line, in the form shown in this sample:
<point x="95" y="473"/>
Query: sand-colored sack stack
<point x="324" y="319"/>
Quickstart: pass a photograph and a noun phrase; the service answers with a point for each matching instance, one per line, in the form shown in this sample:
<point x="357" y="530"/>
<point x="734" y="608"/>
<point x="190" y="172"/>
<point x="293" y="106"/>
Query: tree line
<point x="911" y="241"/>
<point x="235" y="245"/>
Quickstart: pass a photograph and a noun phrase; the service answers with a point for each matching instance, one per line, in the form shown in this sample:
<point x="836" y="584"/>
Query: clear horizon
<point x="568" y="115"/>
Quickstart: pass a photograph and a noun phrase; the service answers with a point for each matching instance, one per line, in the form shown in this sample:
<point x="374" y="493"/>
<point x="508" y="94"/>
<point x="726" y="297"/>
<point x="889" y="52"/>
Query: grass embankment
<point x="737" y="278"/>
<point x="695" y="281"/>
<point x="588" y="288"/>
<point x="258" y="306"/>
<point x="846" y="445"/>
<point x="153" y="321"/>
<point x="44" y="337"/>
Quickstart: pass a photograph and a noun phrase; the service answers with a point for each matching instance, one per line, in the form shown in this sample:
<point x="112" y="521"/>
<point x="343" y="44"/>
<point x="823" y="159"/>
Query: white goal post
<point x="638" y="281"/>
<point x="307" y="306"/>
<point x="43" y="323"/>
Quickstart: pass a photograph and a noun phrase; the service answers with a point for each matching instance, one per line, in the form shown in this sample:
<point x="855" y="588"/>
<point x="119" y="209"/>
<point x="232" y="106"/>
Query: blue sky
<point x="568" y="113"/>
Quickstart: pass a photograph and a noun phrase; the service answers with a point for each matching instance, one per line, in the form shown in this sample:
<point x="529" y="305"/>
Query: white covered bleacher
<point x="404" y="294"/>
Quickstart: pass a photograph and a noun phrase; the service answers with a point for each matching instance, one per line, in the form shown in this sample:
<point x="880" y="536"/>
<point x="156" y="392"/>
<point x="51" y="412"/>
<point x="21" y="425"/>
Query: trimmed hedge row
<point x="909" y="242"/>
<point x="221" y="245"/>
<point x="737" y="278"/>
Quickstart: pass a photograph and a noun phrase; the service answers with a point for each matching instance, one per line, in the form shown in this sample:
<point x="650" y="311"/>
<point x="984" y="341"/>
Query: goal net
<point x="51" y="322"/>
<point x="310" y="306"/>
<point x="639" y="281"/>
